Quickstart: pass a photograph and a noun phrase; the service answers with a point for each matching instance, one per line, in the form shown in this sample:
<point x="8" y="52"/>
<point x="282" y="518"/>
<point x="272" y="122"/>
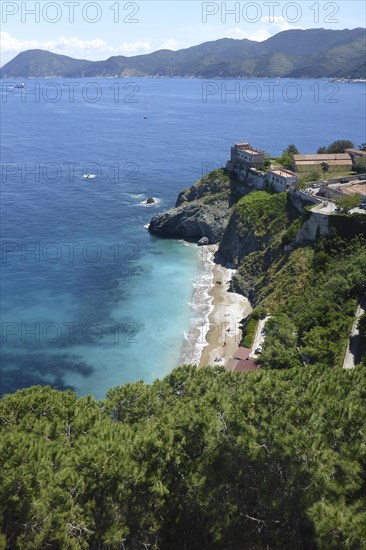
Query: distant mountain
<point x="294" y="53"/>
<point x="41" y="63"/>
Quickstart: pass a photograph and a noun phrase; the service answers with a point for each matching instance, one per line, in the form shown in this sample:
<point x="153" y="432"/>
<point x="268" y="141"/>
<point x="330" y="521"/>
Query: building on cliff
<point x="281" y="179"/>
<point x="245" y="155"/>
<point x="340" y="162"/>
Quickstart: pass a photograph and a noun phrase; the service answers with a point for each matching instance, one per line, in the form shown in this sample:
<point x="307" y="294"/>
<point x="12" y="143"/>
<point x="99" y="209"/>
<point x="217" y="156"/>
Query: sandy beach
<point x="223" y="336"/>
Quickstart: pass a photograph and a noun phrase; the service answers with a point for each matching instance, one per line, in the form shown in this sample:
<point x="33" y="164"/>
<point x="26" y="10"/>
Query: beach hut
<point x="241" y="361"/>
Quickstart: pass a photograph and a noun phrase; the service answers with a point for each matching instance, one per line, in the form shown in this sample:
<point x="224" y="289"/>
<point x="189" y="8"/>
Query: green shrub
<point x="249" y="332"/>
<point x="264" y="212"/>
<point x="291" y="232"/>
<point x="259" y="312"/>
<point x="202" y="459"/>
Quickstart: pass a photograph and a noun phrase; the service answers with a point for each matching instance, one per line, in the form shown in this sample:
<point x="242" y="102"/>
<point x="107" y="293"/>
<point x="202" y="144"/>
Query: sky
<point x="100" y="29"/>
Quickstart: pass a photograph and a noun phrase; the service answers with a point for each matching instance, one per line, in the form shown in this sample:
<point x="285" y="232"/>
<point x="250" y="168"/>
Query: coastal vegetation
<point x="265" y="213"/>
<point x="212" y="183"/>
<point x="249" y="332"/>
<point x="360" y="166"/>
<point x="250" y="325"/>
<point x="345" y="204"/>
<point x="202" y="459"/>
<point x="287" y="158"/>
<point x="338" y="146"/>
<point x="313" y="325"/>
<point x="310" y="290"/>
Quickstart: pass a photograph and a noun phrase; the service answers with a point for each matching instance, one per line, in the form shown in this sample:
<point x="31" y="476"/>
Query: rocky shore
<point x="253" y="233"/>
<point x="203" y="210"/>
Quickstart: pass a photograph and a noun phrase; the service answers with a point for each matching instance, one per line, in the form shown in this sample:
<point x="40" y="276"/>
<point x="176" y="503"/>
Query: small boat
<point x="89" y="176"/>
<point x="145" y="117"/>
<point x="20" y="85"/>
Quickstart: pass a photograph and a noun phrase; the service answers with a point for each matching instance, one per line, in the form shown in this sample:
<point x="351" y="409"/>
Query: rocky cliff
<point x="256" y="221"/>
<point x="238" y="241"/>
<point x="316" y="226"/>
<point x="202" y="210"/>
<point x="257" y="231"/>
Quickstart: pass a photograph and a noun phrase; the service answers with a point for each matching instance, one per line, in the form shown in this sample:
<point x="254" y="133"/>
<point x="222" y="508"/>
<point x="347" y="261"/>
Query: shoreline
<point x="223" y="334"/>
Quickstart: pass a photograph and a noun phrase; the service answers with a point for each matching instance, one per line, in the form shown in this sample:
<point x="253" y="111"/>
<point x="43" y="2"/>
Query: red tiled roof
<point x="242" y="365"/>
<point x="242" y="353"/>
<point x="245" y="366"/>
<point x="231" y="364"/>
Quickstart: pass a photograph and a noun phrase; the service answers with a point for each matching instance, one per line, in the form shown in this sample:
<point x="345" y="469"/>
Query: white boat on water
<point x="20" y="85"/>
<point x="89" y="176"/>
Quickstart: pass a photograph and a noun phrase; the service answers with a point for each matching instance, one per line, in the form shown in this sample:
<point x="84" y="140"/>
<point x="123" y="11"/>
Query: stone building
<point x="339" y="162"/>
<point x="244" y="154"/>
<point x="281" y="179"/>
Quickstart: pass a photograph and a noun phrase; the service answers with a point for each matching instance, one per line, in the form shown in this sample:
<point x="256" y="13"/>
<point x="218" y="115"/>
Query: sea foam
<point x="201" y="307"/>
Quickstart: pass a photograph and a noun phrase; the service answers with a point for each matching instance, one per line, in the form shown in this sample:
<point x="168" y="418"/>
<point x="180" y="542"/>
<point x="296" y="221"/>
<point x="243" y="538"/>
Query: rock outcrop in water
<point x="192" y="222"/>
<point x="203" y="210"/>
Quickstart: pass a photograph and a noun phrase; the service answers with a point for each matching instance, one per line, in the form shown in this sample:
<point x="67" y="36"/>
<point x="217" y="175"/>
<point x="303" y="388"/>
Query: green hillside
<point x="294" y="53"/>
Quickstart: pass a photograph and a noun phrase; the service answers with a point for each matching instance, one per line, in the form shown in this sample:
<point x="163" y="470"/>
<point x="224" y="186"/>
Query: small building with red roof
<point x="241" y="361"/>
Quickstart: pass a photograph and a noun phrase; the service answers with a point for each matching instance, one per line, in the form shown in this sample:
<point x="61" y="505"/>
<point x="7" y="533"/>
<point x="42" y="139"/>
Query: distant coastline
<point x="193" y="77"/>
<point x="311" y="53"/>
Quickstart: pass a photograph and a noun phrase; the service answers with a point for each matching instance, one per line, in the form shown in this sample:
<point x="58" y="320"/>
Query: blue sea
<point x="90" y="299"/>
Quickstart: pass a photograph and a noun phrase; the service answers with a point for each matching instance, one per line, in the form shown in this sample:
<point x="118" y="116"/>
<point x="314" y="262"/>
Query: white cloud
<point x="132" y="48"/>
<point x="236" y="33"/>
<point x="169" y="45"/>
<point x="11" y="44"/>
<point x="258" y="36"/>
<point x="270" y="26"/>
<point x="280" y="23"/>
<point x="75" y="47"/>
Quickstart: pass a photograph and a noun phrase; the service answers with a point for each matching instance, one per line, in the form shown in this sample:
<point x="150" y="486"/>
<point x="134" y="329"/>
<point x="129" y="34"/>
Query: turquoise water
<point x="89" y="298"/>
<point x="148" y="324"/>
